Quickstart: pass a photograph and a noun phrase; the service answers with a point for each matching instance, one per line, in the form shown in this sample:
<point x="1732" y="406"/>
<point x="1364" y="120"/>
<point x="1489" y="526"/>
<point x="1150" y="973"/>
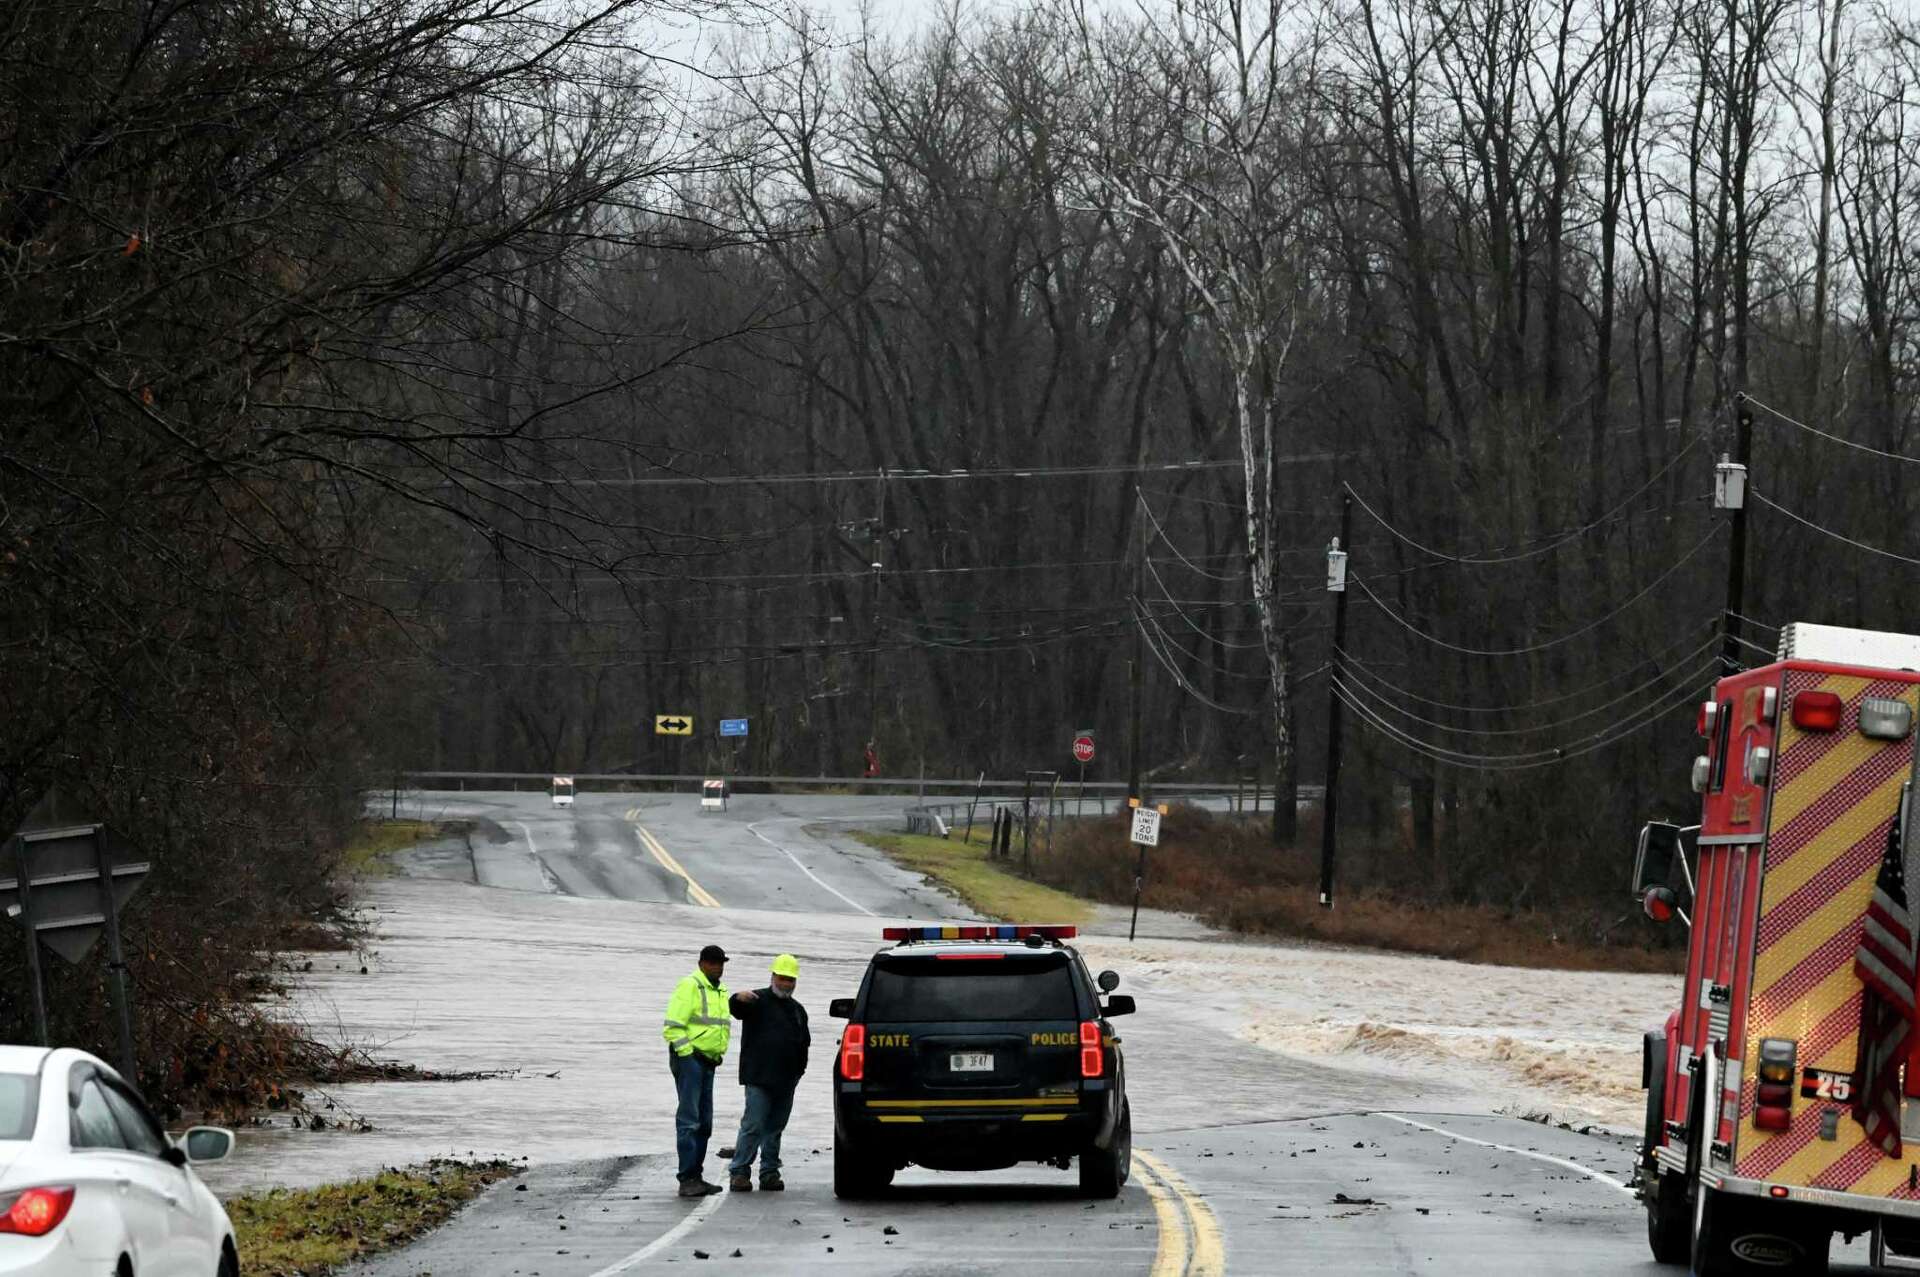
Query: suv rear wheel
<point x="1103" y="1171"/>
<point x="856" y="1172"/>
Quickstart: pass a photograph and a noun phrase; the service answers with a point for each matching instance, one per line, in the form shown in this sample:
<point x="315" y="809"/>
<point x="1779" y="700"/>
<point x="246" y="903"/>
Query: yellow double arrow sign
<point x="673" y="725"/>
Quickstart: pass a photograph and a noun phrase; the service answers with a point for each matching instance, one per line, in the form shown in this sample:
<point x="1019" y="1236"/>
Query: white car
<point x="91" y="1186"/>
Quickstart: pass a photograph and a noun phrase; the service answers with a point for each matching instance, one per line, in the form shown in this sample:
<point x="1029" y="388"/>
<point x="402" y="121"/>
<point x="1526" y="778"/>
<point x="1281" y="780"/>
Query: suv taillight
<point x="35" y="1212"/>
<point x="1093" y="1061"/>
<point x="853" y="1052"/>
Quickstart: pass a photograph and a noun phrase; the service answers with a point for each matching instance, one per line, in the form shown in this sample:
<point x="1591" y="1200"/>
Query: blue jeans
<point x="693" y="1119"/>
<point x="768" y="1108"/>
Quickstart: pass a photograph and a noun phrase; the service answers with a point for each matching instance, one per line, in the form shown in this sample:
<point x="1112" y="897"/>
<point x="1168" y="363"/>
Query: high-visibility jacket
<point x="697" y="1018"/>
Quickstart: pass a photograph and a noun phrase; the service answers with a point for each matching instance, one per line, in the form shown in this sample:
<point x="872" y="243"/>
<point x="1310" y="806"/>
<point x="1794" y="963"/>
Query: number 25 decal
<point x="1822" y="1084"/>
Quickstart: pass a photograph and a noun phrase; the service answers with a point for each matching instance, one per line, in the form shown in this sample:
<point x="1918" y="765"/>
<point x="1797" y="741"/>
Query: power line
<point x="1555" y="539"/>
<point x="1829" y="532"/>
<point x="1168" y="664"/>
<point x="1162" y="534"/>
<point x="1831" y="437"/>
<point x="1168" y="642"/>
<point x="1613" y="733"/>
<point x="1389" y="705"/>
<point x="1712" y="625"/>
<point x="902" y="476"/>
<point x="1584" y="630"/>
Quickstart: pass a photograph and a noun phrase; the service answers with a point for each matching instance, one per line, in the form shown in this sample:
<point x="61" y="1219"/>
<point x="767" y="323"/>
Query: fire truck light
<point x="1703" y="721"/>
<point x="1885" y="719"/>
<point x="1773" y="1098"/>
<point x="1817" y="712"/>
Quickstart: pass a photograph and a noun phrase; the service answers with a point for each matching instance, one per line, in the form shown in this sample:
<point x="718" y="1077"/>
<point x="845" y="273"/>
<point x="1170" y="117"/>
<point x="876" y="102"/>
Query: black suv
<point x="971" y="1048"/>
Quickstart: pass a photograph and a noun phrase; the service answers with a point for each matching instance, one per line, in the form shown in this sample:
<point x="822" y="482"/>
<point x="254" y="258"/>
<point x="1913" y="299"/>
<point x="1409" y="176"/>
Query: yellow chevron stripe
<point x="1843" y="833"/>
<point x="1841" y="912"/>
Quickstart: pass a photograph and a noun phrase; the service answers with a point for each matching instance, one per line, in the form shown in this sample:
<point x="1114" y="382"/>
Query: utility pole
<point x="875" y="531"/>
<point x="1135" y="670"/>
<point x="1330" y="801"/>
<point x="1730" y="493"/>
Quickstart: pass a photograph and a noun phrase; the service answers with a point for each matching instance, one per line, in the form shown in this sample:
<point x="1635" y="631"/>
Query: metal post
<point x="1330" y="801"/>
<point x="33" y="943"/>
<point x="1139" y="883"/>
<point x="396" y="795"/>
<point x="1026" y="826"/>
<point x="1080" y="795"/>
<point x="1730" y="659"/>
<point x="978" y="785"/>
<point x="116" y="959"/>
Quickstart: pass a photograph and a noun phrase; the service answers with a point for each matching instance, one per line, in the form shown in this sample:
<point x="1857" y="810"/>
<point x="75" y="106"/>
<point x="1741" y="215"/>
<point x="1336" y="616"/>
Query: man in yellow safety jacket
<point x="697" y="1030"/>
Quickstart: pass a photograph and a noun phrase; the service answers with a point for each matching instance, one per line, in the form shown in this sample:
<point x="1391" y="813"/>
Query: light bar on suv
<point x="979" y="932"/>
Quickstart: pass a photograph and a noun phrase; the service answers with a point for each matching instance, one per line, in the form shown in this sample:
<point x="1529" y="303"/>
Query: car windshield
<point x="19" y="1105"/>
<point x="928" y="989"/>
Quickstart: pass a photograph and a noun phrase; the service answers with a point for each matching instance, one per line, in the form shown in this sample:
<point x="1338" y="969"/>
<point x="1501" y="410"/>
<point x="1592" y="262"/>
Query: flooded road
<point x="1257" y="1138"/>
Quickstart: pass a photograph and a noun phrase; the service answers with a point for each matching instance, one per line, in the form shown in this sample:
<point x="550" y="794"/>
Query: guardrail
<point x="1000" y="788"/>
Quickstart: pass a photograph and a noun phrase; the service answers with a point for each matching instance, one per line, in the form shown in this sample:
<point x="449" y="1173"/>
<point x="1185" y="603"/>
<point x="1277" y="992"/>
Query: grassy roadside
<point x="1225" y="873"/>
<point x="992" y="891"/>
<point x="307" y="1232"/>
<point x="375" y="840"/>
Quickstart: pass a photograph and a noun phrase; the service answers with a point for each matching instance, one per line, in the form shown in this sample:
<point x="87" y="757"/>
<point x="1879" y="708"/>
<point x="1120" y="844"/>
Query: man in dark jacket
<point x="773" y="1055"/>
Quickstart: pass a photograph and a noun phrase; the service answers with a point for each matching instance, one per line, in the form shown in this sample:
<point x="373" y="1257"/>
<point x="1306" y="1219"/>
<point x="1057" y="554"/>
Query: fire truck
<point x="1753" y="1156"/>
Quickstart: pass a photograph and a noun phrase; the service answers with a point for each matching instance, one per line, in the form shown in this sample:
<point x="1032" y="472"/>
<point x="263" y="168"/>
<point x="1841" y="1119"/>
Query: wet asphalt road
<point x="544" y="944"/>
<point x="760" y="853"/>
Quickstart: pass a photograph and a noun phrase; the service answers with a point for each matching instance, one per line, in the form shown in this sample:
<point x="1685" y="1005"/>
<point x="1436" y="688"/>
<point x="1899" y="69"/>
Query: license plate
<point x="973" y="1063"/>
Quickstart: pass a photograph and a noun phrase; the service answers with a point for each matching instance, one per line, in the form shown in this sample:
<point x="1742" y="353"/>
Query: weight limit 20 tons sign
<point x="1146" y="827"/>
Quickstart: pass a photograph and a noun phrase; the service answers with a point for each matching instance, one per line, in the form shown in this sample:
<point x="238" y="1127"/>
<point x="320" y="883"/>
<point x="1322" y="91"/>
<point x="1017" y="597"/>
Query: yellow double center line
<point x="695" y="892"/>
<point x="1190" y="1242"/>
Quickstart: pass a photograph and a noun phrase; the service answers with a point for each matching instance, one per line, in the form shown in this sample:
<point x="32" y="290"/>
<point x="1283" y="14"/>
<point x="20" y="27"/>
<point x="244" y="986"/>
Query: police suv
<point x="972" y="1048"/>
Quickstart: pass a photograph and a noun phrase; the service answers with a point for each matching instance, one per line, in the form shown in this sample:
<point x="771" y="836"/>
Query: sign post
<point x="1146" y="833"/>
<point x="69" y="885"/>
<point x="1082" y="754"/>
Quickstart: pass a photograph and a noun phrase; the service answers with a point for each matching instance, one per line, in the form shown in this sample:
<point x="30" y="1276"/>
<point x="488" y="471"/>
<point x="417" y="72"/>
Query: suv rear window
<point x="928" y="989"/>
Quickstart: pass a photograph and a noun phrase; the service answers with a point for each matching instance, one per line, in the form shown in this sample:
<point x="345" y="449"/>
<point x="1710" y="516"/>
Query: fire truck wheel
<point x="1669" y="1221"/>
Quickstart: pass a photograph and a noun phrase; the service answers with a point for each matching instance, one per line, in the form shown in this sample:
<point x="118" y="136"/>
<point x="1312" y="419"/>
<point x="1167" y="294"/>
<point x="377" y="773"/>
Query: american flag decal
<point x="1884" y="962"/>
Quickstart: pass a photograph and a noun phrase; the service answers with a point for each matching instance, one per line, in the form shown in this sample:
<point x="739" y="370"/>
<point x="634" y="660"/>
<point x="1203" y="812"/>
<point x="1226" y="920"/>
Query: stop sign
<point x="1083" y="748"/>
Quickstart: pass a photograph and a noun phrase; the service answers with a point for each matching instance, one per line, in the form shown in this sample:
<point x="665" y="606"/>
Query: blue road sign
<point x="733" y="727"/>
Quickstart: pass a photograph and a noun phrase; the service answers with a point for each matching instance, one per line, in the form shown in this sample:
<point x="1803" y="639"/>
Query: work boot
<point x="742" y="1182"/>
<point x="770" y="1182"/>
<point x="697" y="1187"/>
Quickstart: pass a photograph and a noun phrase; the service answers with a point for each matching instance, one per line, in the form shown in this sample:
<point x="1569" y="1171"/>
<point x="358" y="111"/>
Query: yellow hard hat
<point x="787" y="965"/>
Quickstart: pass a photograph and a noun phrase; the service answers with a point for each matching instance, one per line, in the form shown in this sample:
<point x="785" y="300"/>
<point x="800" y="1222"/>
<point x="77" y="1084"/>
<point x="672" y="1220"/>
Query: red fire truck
<point x="1753" y="1157"/>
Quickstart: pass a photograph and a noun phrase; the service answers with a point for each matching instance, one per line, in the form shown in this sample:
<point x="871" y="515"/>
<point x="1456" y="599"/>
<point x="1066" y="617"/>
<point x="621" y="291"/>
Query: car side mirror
<point x="1108" y="981"/>
<point x="207" y="1143"/>
<point x="1118" y="1004"/>
<point x="841" y="1008"/>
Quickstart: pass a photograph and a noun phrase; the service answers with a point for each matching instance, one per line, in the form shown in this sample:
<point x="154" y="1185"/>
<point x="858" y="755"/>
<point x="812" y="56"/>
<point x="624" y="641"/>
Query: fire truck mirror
<point x="1660" y="860"/>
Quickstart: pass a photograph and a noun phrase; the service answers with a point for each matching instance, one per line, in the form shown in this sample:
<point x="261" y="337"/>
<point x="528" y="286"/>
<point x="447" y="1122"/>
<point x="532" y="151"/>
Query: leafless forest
<point x="455" y="384"/>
